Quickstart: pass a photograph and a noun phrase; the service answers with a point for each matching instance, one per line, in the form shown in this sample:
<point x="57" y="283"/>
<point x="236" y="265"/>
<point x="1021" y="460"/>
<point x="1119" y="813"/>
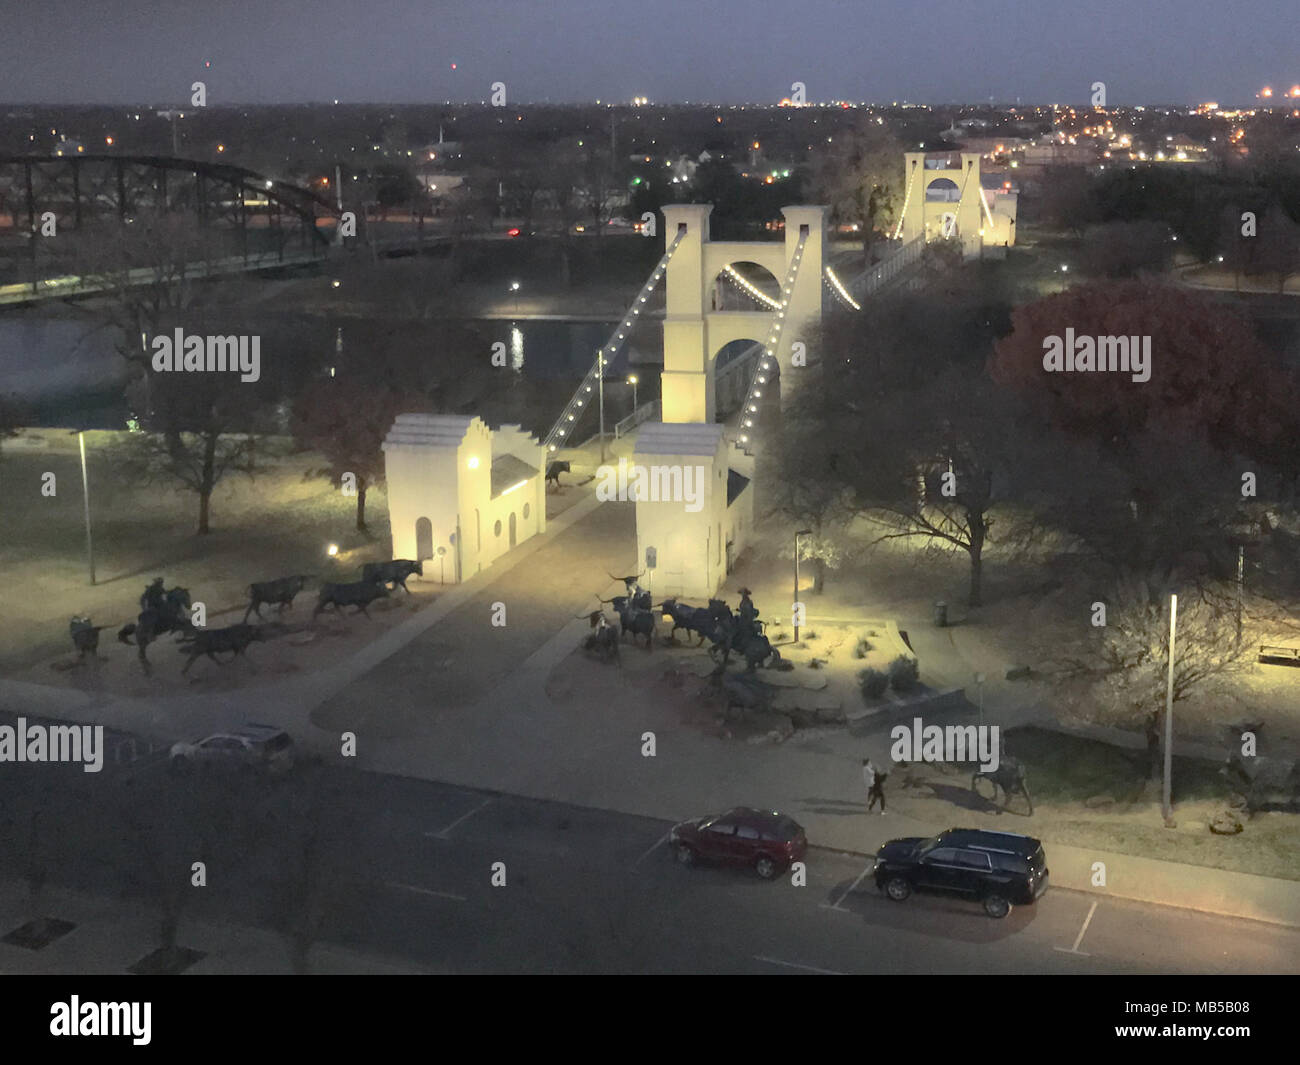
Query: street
<point x="404" y="869"/>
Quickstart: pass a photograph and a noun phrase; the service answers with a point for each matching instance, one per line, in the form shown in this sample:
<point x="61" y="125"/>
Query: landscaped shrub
<point x="903" y="673"/>
<point x="863" y="646"/>
<point x="873" y="683"/>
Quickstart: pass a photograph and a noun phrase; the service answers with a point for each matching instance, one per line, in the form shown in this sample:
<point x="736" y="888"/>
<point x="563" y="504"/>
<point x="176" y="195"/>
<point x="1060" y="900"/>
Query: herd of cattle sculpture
<point x="727" y="632"/>
<point x="166" y="610"/>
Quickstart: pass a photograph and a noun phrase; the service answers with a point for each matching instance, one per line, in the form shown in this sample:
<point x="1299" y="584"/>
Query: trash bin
<point x="940" y="614"/>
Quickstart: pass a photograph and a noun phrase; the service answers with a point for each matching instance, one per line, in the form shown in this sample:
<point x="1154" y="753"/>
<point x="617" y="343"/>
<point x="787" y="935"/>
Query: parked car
<point x="765" y="840"/>
<point x="997" y="868"/>
<point x="249" y="747"/>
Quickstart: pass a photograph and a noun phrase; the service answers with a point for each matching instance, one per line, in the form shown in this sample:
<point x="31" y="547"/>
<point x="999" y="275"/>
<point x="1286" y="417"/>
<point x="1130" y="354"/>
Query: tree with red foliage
<point x="1211" y="378"/>
<point x="346" y="422"/>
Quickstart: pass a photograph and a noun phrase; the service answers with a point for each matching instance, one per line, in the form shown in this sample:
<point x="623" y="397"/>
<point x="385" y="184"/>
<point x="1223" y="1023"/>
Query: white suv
<point x="251" y="746"/>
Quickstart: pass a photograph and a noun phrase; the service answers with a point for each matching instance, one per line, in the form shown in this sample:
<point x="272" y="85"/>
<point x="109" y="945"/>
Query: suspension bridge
<point x="697" y="328"/>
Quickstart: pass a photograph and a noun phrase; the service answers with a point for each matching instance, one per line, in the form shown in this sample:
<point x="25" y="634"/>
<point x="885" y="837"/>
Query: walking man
<point x="874" y="781"/>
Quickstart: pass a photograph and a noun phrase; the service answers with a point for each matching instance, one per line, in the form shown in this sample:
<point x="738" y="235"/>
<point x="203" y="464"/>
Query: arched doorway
<point x="512" y="529"/>
<point x="423" y="539"/>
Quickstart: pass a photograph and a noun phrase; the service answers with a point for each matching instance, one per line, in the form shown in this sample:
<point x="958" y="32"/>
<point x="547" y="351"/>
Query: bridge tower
<point x="694" y="332"/>
<point x="944" y="200"/>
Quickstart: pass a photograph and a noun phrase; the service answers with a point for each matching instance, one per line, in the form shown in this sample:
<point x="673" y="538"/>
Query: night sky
<point x="726" y="51"/>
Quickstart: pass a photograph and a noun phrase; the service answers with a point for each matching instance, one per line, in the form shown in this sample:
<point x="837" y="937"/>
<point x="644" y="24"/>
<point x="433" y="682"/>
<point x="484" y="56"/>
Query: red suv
<point x="764" y="840"/>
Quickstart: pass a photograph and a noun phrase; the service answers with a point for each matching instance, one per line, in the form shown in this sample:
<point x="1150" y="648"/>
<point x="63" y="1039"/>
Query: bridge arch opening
<point x="942" y="190"/>
<point x="733" y="369"/>
<point x="744" y="286"/>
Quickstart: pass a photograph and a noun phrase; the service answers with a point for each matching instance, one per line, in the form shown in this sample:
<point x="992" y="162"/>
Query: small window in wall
<point x="496" y="529"/>
<point x="527" y="510"/>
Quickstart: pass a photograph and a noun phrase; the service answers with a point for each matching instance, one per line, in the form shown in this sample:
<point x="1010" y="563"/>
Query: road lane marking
<point x="444" y="833"/>
<point x="852" y="887"/>
<point x="796" y="965"/>
<point x="1079" y="938"/>
<point x="425" y="891"/>
<point x="658" y="843"/>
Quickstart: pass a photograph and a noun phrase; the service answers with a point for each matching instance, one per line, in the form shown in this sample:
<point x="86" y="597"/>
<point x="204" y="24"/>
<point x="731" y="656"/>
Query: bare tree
<point x="1117" y="673"/>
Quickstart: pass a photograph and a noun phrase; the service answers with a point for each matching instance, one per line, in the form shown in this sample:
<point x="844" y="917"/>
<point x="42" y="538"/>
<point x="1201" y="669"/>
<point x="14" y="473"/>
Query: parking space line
<point x="445" y="832"/>
<point x="1079" y="938"/>
<point x="658" y="843"/>
<point x="852" y="888"/>
<point x="796" y="965"/>
<point x="425" y="891"/>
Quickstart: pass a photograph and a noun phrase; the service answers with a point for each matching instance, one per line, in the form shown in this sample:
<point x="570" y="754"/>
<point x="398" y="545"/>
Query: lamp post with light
<point x="1166" y="800"/>
<point x="85" y="498"/>
<point x="601" y="403"/>
<point x="797" y="535"/>
<point x="632" y="380"/>
<point x="514" y="287"/>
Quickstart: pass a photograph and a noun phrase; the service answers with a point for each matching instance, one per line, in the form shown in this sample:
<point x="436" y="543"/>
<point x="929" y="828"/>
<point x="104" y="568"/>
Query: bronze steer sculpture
<point x="634" y="618"/>
<point x="553" y="471"/>
<point x="85" y="637"/>
<point x="392" y="573"/>
<point x="232" y="640"/>
<point x="359" y="594"/>
<point x="280" y="591"/>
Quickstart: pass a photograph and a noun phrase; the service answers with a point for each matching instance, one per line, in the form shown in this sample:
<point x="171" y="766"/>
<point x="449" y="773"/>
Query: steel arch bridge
<point x="258" y="215"/>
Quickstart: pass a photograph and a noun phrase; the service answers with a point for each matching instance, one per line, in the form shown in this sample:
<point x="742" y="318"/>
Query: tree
<point x="1279" y="246"/>
<point x="1066" y="199"/>
<point x="810" y="491"/>
<point x="396" y="186"/>
<point x="860" y="175"/>
<point x="1127" y="249"/>
<point x="150" y="273"/>
<point x="1209" y="375"/>
<point x="943" y="463"/>
<point x="346" y="420"/>
<point x="1117" y="673"/>
<point x="601" y="188"/>
<point x="560" y="168"/>
<point x="197" y="461"/>
<point x="931" y="448"/>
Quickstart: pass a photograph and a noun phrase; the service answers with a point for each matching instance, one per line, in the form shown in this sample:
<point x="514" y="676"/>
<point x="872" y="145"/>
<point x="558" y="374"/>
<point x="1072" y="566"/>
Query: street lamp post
<point x="85" y="497"/>
<point x="632" y="380"/>
<point x="797" y="535"/>
<point x="514" y="287"/>
<point x="979" y="688"/>
<point x="1166" y="802"/>
<point x="601" y="385"/>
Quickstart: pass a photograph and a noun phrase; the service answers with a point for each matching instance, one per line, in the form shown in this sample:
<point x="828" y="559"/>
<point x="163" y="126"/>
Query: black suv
<point x="998" y="868"/>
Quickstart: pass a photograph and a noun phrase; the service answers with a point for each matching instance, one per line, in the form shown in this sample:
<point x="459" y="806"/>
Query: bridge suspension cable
<point x="767" y="361"/>
<point x="562" y="431"/>
<point x="749" y="289"/>
<point x="837" y="287"/>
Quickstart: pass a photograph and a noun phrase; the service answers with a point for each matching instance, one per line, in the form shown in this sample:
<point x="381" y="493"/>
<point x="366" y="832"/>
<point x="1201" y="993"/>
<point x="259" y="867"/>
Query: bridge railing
<point x="642" y="414"/>
<point x="562" y="431"/>
<point x="876" y="277"/>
